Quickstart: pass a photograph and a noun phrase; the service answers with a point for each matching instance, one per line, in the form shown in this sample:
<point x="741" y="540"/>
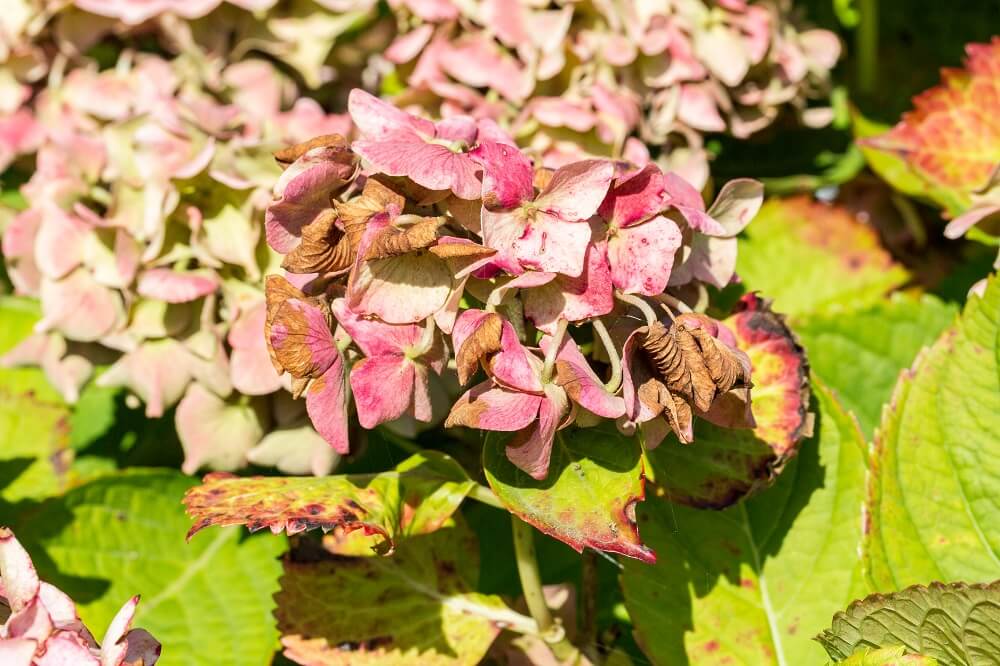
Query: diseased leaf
<point x="415" y="498"/>
<point x="861" y="352"/>
<point x="724" y="465"/>
<point x="956" y="623"/>
<point x="208" y="601"/>
<point x="417" y="607"/>
<point x="932" y="498"/>
<point x="814" y="257"/>
<point x="951" y="139"/>
<point x="588" y="498"/>
<point x="890" y="656"/>
<point x="753" y="583"/>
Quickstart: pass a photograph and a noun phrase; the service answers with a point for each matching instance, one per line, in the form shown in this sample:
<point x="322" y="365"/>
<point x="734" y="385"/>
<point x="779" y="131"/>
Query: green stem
<point x="639" y="303"/>
<point x="486" y="495"/>
<point x="609" y="347"/>
<point x="554" y="344"/>
<point x="531" y="584"/>
<point x="866" y="44"/>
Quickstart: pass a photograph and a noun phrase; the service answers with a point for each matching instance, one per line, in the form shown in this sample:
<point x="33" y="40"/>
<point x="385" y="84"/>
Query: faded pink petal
<point x="576" y="190"/>
<point x="66" y="648"/>
<point x="573" y="298"/>
<point x="635" y="373"/>
<point x="581" y="383"/>
<point x="112" y="647"/>
<point x="383" y="388"/>
<point x="489" y="407"/>
<point x="712" y="260"/>
<point x="642" y="256"/>
<point x="376" y="338"/>
<point x="377" y="119"/>
<point x="507" y="174"/>
<point x="59" y="243"/>
<point x="961" y="224"/>
<point x="698" y="109"/>
<point x="164" y="284"/>
<point x="406" y="47"/>
<point x="682" y="196"/>
<point x="400" y="290"/>
<point x="17" y="573"/>
<point x="477" y="61"/>
<point x="736" y="204"/>
<point x="531" y="450"/>
<point x="17" y="651"/>
<point x="157" y="372"/>
<point x="18" y="249"/>
<point x="214" y="432"/>
<point x="551" y="244"/>
<point x="634" y="197"/>
<point x="251" y="370"/>
<point x="79" y="308"/>
<point x="515" y="366"/>
<point x="434" y="166"/>
<point x="326" y="403"/>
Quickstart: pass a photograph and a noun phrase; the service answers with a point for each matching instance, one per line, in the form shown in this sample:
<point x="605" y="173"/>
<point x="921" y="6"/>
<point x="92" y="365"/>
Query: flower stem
<point x="486" y="495"/>
<point x="616" y="362"/>
<point x="675" y="303"/>
<point x="553" y="351"/>
<point x="640" y="303"/>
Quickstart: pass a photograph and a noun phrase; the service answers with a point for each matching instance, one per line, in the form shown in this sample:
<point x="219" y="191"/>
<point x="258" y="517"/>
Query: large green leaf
<point x="589" y="496"/>
<point x="932" y="506"/>
<point x="208" y="602"/>
<point x="752" y="584"/>
<point x="958" y="624"/>
<point x="814" y="257"/>
<point x="861" y="352"/>
<point x="34" y="432"/>
<point x="723" y="465"/>
<point x="418" y="606"/>
<point x="417" y="497"/>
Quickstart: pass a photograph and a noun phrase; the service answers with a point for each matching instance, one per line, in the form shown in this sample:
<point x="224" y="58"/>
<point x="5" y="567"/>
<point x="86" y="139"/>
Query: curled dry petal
<point x="476" y="342"/>
<point x="301" y="339"/>
<point x="393" y="241"/>
<point x="325" y="248"/>
<point x="286" y="156"/>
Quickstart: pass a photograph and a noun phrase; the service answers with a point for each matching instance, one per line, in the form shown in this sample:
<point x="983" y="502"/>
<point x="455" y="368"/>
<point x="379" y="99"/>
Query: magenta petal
<point x="642" y="256"/>
<point x="376" y="119"/>
<point x="634" y="197"/>
<point x="490" y="407"/>
<point x="326" y="403"/>
<point x="434" y="166"/>
<point x="376" y="338"/>
<point x="553" y="245"/>
<point x="577" y="190"/>
<point x="530" y="451"/>
<point x="584" y="386"/>
<point x="163" y="284"/>
<point x="514" y="365"/>
<point x="383" y="388"/>
<point x="573" y="298"/>
<point x="507" y="174"/>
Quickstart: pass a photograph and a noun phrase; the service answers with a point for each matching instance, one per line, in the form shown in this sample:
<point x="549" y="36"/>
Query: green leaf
<point x="890" y="656"/>
<point x="416" y="607"/>
<point x="415" y="498"/>
<point x="860" y="353"/>
<point x="34" y="433"/>
<point x="889" y="166"/>
<point x="931" y="510"/>
<point x="753" y="583"/>
<point x="957" y="623"/>
<point x="723" y="465"/>
<point x="208" y="602"/>
<point x="814" y="257"/>
<point x="588" y="498"/>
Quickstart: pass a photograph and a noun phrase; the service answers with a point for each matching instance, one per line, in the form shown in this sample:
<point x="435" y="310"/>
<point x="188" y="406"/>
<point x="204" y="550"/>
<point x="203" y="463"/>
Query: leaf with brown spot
<point x="286" y="156"/>
<point x="417" y="607"/>
<point x="414" y="498"/>
<point x="725" y="464"/>
<point x="325" y="248"/>
<point x="479" y="346"/>
<point x="588" y="499"/>
<point x="753" y="583"/>
<point x="395" y="241"/>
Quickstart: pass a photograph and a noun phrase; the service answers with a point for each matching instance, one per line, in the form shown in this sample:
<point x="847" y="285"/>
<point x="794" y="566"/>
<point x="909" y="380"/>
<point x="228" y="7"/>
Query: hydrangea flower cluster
<point x="142" y="237"/>
<point x="426" y="251"/>
<point x="587" y="78"/>
<point x="43" y="628"/>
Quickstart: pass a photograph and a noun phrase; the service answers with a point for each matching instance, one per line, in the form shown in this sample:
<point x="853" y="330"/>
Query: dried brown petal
<point x="678" y="414"/>
<point x="299" y="386"/>
<point x="483" y="341"/>
<point x="324" y="247"/>
<point x="462" y="251"/>
<point x="286" y="156"/>
<point x="375" y="198"/>
<point x="277" y="290"/>
<point x="678" y="361"/>
<point x="722" y="363"/>
<point x="393" y="241"/>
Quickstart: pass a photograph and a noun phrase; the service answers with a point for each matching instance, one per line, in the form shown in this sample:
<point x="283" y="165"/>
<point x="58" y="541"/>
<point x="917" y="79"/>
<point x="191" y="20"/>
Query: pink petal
<point x="17" y="651"/>
<point x="515" y="366"/>
<point x="112" y="649"/>
<point x="682" y="196"/>
<point x="17" y="573"/>
<point x="737" y="204"/>
<point x="251" y="370"/>
<point x="712" y="260"/>
<point x="573" y="298"/>
<point x="583" y="385"/>
<point x="377" y="119"/>
<point x="216" y="433"/>
<point x="65" y="648"/>
<point x="635" y="372"/>
<point x="478" y="61"/>
<point x="301" y="339"/>
<point x="489" y="407"/>
<point x="326" y="403"/>
<point x="383" y="388"/>
<point x="507" y="174"/>
<point x="18" y="249"/>
<point x="79" y="307"/>
<point x="634" y="197"/>
<point x="961" y="224"/>
<point x="407" y="47"/>
<point x="401" y="290"/>
<point x="577" y="190"/>
<point x="157" y="372"/>
<point x="531" y="450"/>
<point x="465" y="325"/>
<point x="642" y="256"/>
<point x="436" y="167"/>
<point x="551" y="244"/>
<point x="698" y="109"/>
<point x="164" y="284"/>
<point x="376" y="338"/>
<point x="59" y="243"/>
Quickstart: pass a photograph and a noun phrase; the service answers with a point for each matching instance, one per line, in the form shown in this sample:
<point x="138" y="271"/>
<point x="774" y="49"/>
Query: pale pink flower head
<point x="544" y="232"/>
<point x="44" y="627"/>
